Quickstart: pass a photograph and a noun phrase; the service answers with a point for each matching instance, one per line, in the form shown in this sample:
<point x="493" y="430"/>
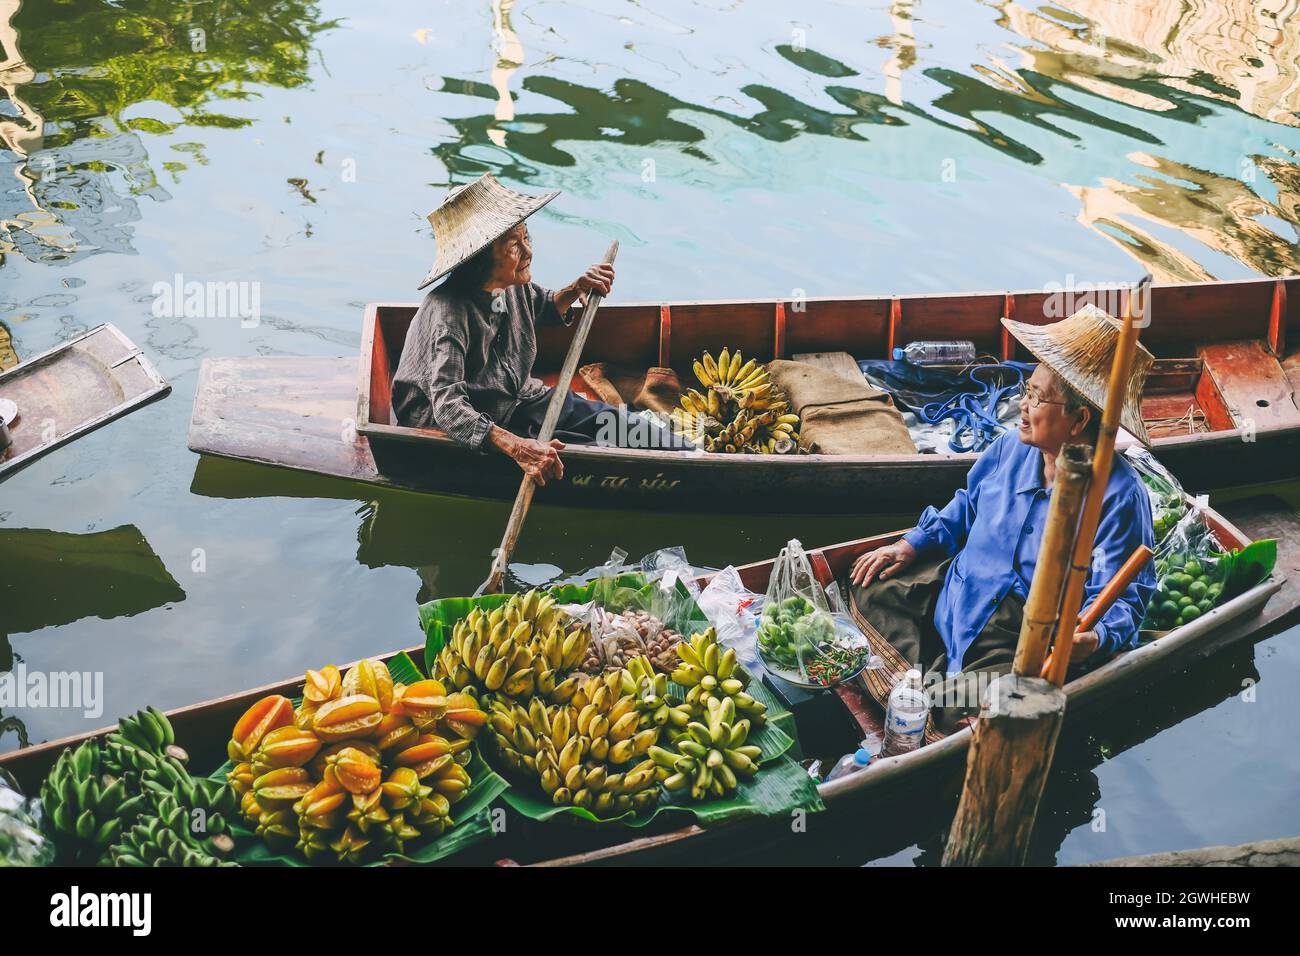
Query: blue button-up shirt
<point x="994" y="527"/>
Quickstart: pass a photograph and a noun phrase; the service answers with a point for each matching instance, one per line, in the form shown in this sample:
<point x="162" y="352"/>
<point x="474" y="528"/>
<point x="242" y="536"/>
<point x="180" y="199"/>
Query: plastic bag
<point x="1168" y="500"/>
<point x="800" y="638"/>
<point x="1191" y="570"/>
<point x="626" y="622"/>
<point x="21" y="840"/>
<point x="733" y="611"/>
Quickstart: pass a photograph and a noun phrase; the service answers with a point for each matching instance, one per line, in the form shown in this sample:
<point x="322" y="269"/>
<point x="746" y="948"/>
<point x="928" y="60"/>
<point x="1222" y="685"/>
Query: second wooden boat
<point x="72" y="389"/>
<point x="1220" y="400"/>
<point x="830" y="728"/>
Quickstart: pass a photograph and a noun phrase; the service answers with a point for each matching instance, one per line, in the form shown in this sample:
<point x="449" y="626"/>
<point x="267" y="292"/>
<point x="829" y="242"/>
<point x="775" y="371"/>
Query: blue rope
<point x="976" y="411"/>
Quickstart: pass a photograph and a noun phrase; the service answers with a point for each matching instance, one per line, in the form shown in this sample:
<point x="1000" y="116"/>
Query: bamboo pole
<point x="1010" y="755"/>
<point x="1108" y="595"/>
<point x="1073" y="469"/>
<point x="1102" y="459"/>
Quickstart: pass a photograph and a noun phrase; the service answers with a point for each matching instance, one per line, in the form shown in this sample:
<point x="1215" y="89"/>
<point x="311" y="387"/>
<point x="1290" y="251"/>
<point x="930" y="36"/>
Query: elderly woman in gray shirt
<point x="466" y="367"/>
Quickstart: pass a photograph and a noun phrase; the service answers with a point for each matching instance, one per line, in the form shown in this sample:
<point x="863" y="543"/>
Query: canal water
<point x="736" y="150"/>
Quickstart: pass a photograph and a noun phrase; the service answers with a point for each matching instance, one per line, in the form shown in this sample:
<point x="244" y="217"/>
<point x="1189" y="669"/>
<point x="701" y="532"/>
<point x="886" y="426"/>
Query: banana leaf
<point x="1249" y="566"/>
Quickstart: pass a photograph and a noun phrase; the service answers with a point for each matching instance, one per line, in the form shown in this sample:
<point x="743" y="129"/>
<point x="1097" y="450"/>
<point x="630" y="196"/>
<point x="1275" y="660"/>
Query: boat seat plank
<point x="294" y="412"/>
<point x="1253" y="384"/>
<point x="841" y="363"/>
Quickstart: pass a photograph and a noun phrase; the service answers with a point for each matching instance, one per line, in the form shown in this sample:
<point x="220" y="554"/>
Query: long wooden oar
<point x="526" y="487"/>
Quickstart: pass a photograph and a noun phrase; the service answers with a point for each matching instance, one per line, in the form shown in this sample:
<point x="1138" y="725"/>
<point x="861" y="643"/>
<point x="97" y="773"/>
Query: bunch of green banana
<point x="652" y="696"/>
<point x="577" y="751"/>
<point x="524" y="647"/>
<point x="86" y="807"/>
<point x="104" y="801"/>
<point x="148" y="730"/>
<point x="711" y="758"/>
<point x="166" y="840"/>
<point x="712" y="673"/>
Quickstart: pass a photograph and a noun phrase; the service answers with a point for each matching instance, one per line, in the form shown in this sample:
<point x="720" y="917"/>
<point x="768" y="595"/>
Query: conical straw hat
<point x="1081" y="349"/>
<point x="473" y="216"/>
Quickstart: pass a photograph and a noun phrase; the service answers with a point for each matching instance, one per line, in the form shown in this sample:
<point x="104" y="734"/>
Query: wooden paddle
<point x="526" y="487"/>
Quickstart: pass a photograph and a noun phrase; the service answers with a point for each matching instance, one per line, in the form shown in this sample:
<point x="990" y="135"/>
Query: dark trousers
<point x="897" y="615"/>
<point x="585" y="422"/>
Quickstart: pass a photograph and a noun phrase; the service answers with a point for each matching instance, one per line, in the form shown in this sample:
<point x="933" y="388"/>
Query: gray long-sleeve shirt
<point x="468" y="359"/>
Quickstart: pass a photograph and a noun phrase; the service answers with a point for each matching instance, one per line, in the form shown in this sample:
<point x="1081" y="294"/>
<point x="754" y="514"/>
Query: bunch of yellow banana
<point x="740" y="411"/>
<point x="713" y="674"/>
<point x="524" y="647"/>
<point x="730" y="373"/>
<point x="711" y="757"/>
<point x="576" y="751"/>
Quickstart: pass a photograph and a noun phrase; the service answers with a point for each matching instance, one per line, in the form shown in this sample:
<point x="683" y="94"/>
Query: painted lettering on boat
<point x="620" y="482"/>
<point x="659" y="483"/>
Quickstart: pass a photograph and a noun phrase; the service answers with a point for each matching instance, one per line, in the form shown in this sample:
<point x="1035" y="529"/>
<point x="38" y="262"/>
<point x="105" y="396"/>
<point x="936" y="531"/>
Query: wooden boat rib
<point x="1222" y="361"/>
<point x="204" y="728"/>
<point x="72" y="389"/>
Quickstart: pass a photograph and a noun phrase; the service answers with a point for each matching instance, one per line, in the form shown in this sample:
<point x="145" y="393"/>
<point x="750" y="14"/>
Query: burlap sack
<point x="841" y="417"/>
<point x="657" y="389"/>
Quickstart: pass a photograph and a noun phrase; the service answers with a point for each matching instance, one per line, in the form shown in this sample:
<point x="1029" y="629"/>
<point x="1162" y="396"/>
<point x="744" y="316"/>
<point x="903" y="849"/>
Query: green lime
<point x="1197" y="589"/>
<point x="1193" y="568"/>
<point x="1205" y="605"/>
<point x="1185" y="601"/>
<point x="1169" y="609"/>
<point x="1190" y="613"/>
<point x="1175" y="596"/>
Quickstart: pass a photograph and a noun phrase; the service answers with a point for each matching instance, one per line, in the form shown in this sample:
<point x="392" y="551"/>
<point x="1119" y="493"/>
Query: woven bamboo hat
<point x="475" y="215"/>
<point x="1080" y="349"/>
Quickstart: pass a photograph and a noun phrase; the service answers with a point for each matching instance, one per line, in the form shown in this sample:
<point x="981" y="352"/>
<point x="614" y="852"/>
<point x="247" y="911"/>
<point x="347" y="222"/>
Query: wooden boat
<point x="72" y="389"/>
<point x="1223" y="363"/>
<point x="831" y="725"/>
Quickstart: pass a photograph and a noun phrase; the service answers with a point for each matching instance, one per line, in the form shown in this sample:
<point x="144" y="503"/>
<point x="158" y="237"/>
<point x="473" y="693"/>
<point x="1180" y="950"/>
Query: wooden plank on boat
<point x="293" y="412"/>
<point x="841" y="363"/>
<point x="1252" y="383"/>
<point x="72" y="389"/>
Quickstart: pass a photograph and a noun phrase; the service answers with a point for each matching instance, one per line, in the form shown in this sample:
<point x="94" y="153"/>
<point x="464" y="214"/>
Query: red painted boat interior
<point x="1220" y="347"/>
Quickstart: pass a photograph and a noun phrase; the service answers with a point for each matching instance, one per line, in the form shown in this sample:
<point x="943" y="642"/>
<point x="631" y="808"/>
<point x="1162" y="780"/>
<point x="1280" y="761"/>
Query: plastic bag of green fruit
<point x="803" y="635"/>
<point x="1168" y="500"/>
<point x="1191" y="572"/>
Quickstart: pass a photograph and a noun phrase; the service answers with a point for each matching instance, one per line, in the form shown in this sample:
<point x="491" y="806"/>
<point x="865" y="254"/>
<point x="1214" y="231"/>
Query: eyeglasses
<point x="1035" y="397"/>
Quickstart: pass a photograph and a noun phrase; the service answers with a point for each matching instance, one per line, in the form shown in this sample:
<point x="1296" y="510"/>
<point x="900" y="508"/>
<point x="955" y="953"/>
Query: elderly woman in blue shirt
<point x="948" y="597"/>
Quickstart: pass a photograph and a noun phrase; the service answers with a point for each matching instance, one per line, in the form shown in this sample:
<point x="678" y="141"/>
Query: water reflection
<point x="53" y="578"/>
<point x="87" y="78"/>
<point x="1084" y="76"/>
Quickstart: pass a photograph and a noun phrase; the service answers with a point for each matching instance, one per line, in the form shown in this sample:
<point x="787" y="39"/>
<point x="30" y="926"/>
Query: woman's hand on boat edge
<point x="883" y="562"/>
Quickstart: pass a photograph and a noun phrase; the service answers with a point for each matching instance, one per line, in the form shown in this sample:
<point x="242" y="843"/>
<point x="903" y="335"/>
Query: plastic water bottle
<point x="906" y="716"/>
<point x="849" y="763"/>
<point x="937" y="353"/>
